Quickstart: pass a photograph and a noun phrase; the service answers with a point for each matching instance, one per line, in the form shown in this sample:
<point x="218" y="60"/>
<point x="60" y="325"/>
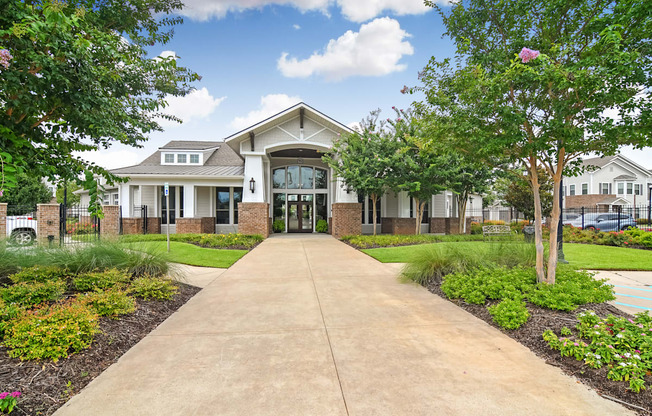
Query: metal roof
<point x="183" y="170"/>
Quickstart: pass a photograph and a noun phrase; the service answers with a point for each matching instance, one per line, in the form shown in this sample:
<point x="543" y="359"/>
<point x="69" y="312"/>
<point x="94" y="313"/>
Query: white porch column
<point x="340" y="192"/>
<point x="403" y="205"/>
<point x="189" y="201"/>
<point x="254" y="169"/>
<point x="125" y="199"/>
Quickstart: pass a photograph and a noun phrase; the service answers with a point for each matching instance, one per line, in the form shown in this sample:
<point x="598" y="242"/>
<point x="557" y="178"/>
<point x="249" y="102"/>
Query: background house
<point x="610" y="181"/>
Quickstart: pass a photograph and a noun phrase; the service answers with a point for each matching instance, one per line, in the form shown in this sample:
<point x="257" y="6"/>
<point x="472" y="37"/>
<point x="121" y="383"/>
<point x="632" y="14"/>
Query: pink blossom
<point x="1" y="191"/>
<point x="3" y="395"/>
<point x="405" y="89"/>
<point x="528" y="54"/>
<point x="5" y="56"/>
<point x="15" y="394"/>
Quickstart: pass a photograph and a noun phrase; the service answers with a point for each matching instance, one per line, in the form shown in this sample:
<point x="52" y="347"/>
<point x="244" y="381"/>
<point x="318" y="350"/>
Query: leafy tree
<point x="423" y="169"/>
<point x="533" y="80"/>
<point x="469" y="177"/>
<point x="75" y="76"/>
<point x="28" y="192"/>
<point x="519" y="193"/>
<point x="364" y="160"/>
<point x="70" y="197"/>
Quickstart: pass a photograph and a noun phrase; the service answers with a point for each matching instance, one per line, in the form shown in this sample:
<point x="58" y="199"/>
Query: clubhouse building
<point x="269" y="173"/>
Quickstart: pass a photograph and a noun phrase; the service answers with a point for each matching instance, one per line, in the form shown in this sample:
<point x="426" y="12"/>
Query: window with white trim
<point x="621" y="188"/>
<point x="181" y="158"/>
<point x="604" y="188"/>
<point x="585" y="189"/>
<point x="194" y="158"/>
<point x="169" y="158"/>
<point x="630" y="188"/>
<point x="638" y="189"/>
<point x="571" y="189"/>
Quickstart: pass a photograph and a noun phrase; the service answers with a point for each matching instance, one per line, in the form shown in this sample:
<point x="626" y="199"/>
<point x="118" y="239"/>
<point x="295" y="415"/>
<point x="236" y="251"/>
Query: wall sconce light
<point x="252" y="185"/>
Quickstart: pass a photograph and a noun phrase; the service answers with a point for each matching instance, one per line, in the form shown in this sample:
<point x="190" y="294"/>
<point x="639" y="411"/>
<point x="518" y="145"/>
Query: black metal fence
<point x="141" y="212"/>
<point x="21" y="225"/>
<point x="77" y="225"/>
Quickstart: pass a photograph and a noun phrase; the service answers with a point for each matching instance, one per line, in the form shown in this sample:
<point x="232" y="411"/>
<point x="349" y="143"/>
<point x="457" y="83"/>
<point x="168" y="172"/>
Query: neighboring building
<point x="612" y="180"/>
<point x="268" y="172"/>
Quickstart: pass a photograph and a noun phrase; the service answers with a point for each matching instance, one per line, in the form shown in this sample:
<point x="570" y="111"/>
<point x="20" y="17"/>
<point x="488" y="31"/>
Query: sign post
<point x="166" y="190"/>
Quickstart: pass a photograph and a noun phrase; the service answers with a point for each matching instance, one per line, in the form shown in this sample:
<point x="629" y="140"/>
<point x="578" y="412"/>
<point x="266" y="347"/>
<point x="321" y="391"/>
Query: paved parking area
<point x="633" y="290"/>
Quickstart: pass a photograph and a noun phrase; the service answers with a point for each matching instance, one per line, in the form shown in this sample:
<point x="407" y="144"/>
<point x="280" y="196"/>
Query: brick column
<point x="3" y="220"/>
<point x="47" y="218"/>
<point x="131" y="226"/>
<point x="403" y="226"/>
<point x="110" y="224"/>
<point x="203" y="225"/>
<point x="346" y="219"/>
<point x="253" y="218"/>
<point x="154" y="225"/>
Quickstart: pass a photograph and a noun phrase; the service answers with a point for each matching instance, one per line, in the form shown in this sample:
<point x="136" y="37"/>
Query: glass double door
<point x="300" y="213"/>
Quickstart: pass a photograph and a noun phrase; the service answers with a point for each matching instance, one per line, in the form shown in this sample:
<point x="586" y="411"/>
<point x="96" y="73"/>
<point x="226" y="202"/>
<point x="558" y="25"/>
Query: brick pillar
<point x="253" y="218"/>
<point x="47" y="217"/>
<point x="346" y="219"/>
<point x="110" y="224"/>
<point x="131" y="226"/>
<point x="154" y="225"/>
<point x="3" y="220"/>
<point x="203" y="225"/>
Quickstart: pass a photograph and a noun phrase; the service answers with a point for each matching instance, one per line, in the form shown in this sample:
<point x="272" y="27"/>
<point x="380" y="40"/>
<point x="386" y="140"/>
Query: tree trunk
<point x="462" y="200"/>
<point x="538" y="232"/>
<point x="553" y="253"/>
<point x="374" y="198"/>
<point x="419" y="212"/>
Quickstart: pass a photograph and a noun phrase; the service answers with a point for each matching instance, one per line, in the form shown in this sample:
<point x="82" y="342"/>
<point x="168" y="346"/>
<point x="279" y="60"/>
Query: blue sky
<point x="258" y="57"/>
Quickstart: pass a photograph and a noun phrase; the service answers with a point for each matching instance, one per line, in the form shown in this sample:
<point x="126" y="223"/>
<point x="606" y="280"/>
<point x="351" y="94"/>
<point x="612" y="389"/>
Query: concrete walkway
<point x="633" y="290"/>
<point x="310" y="326"/>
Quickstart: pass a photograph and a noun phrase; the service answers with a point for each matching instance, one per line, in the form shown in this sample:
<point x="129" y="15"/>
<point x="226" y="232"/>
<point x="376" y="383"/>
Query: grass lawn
<point x="586" y="256"/>
<point x="193" y="255"/>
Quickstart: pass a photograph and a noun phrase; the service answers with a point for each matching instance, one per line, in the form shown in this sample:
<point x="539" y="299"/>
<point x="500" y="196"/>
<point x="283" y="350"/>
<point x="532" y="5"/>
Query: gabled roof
<point x="598" y="162"/>
<point x="219" y="161"/>
<point x="601" y="162"/>
<point x="279" y="118"/>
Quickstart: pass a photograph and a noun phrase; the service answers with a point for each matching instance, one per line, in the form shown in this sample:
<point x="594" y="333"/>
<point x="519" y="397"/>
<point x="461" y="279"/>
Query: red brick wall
<point x="399" y="225"/>
<point x="253" y="218"/>
<point x="203" y="225"/>
<point x="3" y="220"/>
<point x="346" y="219"/>
<point x="448" y="225"/>
<point x="154" y="225"/>
<point x="578" y="201"/>
<point x="47" y="217"/>
<point x="132" y="225"/>
<point x="110" y="224"/>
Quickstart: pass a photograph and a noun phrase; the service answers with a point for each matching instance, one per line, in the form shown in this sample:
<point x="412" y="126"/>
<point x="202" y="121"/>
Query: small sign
<point x="166" y="188"/>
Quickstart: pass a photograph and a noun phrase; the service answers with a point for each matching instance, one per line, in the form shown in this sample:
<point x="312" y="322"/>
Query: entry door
<point x="300" y="216"/>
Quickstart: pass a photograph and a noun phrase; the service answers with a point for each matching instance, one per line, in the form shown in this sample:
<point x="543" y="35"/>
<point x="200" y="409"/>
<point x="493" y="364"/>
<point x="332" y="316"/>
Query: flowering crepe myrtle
<point x="528" y="54"/>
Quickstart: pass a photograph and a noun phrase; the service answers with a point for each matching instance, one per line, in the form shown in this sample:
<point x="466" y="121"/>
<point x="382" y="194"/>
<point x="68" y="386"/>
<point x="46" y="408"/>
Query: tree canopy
<point x="76" y="76"/>
<point x="29" y="192"/>
<point x="538" y="81"/>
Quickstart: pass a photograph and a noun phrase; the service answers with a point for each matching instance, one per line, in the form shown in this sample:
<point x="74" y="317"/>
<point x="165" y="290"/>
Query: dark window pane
<point x="279" y="207"/>
<point x="320" y="178"/>
<point x="321" y="206"/>
<point x="180" y="202"/>
<point x="361" y="201"/>
<point x="306" y="177"/>
<point x="306" y="198"/>
<point x="222" y="205"/>
<point x="223" y="198"/>
<point x="293" y="177"/>
<point x="222" y="217"/>
<point x="237" y="197"/>
<point x="164" y="205"/>
<point x="278" y="180"/>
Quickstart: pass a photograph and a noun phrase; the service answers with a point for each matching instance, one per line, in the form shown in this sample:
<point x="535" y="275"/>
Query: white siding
<point x="147" y="197"/>
<point x="203" y="204"/>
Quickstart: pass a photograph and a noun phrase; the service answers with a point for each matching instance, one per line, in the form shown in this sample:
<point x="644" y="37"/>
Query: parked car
<point x="568" y="217"/>
<point x="607" y="221"/>
<point x="21" y="229"/>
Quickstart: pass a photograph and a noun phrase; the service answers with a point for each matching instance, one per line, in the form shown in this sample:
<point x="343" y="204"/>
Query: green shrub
<point x="109" y="303"/>
<point x="86" y="282"/>
<point x="7" y="313"/>
<point x="51" y="332"/>
<point x="510" y="313"/>
<point x="231" y="241"/>
<point x="571" y="289"/>
<point x="492" y="283"/>
<point x="29" y="294"/>
<point x="152" y="288"/>
<point x="39" y="274"/>
<point x="322" y="226"/>
<point x="390" y="240"/>
<point x="278" y="226"/>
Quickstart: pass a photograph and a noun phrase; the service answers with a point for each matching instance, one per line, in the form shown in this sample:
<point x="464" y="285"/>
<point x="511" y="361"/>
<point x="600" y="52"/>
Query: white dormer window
<point x="169" y="158"/>
<point x="194" y="158"/>
<point x="181" y="158"/>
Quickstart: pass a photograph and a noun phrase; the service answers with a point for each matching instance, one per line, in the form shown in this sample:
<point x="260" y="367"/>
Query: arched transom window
<point x="299" y="177"/>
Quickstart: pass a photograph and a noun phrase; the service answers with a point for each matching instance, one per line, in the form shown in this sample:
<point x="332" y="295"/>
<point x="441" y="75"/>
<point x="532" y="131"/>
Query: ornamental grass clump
<point x="622" y="345"/>
<point x="51" y="332"/>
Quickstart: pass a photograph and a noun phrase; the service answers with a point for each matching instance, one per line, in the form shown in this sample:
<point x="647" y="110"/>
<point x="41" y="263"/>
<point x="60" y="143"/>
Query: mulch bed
<point x="46" y="386"/>
<point x="530" y="335"/>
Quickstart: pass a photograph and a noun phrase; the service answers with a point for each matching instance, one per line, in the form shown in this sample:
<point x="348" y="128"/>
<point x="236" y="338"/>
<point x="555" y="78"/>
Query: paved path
<point x="633" y="290"/>
<point x="309" y="326"/>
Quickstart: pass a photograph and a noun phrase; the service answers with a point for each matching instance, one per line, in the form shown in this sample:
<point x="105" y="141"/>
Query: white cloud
<point x="296" y="27"/>
<point x="363" y="10"/>
<point x="167" y="54"/>
<point x="354" y="10"/>
<point x="269" y="105"/>
<point x="111" y="159"/>
<point x="373" y="51"/>
<point x="198" y="104"/>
